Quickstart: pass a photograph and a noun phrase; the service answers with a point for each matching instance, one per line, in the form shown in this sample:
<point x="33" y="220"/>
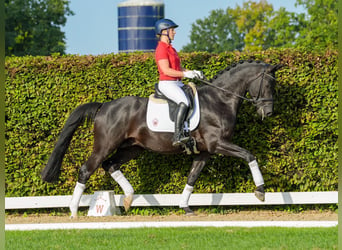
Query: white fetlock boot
<point x="126" y="187"/>
<point x="184" y="203"/>
<point x="258" y="180"/>
<point x="75" y="200"/>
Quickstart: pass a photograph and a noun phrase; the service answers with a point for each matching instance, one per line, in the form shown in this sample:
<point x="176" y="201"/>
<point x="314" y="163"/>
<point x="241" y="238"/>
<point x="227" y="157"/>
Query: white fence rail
<point x="145" y="200"/>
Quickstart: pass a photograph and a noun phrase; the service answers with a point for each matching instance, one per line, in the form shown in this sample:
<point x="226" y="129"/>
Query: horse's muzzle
<point x="265" y="111"/>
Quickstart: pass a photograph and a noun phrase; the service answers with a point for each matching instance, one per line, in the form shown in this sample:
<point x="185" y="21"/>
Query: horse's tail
<point x="84" y="112"/>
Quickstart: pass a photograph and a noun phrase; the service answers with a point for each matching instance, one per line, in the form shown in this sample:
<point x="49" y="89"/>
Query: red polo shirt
<point x="166" y="51"/>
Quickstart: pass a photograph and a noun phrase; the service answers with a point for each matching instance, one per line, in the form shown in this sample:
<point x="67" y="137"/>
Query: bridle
<point x="252" y="100"/>
<point x="258" y="99"/>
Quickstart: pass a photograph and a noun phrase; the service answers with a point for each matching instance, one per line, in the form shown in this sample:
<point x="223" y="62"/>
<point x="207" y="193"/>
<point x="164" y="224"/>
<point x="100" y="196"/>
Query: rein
<point x="224" y="90"/>
<point x="239" y="96"/>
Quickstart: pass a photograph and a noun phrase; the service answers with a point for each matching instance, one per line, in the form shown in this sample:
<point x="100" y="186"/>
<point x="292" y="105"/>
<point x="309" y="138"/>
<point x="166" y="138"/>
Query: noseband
<point x="252" y="100"/>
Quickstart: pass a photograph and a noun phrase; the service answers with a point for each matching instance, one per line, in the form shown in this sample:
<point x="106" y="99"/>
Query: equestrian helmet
<point x="163" y="24"/>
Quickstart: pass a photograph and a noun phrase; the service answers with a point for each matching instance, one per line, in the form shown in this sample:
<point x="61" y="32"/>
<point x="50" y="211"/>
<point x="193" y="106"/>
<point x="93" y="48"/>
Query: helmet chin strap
<point x="168" y="35"/>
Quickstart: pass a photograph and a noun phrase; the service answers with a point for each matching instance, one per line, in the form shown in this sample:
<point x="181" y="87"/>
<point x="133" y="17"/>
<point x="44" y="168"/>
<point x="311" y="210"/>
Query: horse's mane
<point x="233" y="65"/>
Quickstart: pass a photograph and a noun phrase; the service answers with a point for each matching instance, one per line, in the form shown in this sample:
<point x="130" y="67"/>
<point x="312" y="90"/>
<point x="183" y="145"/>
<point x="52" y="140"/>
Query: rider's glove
<point x="193" y="74"/>
<point x="199" y="74"/>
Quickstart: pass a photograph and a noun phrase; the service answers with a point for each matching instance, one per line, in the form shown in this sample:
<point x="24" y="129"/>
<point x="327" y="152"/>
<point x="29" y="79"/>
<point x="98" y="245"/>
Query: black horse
<point x="120" y="125"/>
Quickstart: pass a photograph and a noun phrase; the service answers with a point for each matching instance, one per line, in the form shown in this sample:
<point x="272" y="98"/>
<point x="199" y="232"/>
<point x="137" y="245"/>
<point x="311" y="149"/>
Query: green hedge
<point x="296" y="147"/>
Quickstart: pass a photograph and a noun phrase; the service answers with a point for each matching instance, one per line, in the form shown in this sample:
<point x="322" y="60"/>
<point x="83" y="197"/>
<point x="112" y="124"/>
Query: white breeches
<point x="173" y="91"/>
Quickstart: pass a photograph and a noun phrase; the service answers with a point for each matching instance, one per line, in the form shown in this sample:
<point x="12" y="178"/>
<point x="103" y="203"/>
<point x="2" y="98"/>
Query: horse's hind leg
<point x="85" y="172"/>
<point x="76" y="197"/>
<point x="112" y="165"/>
<point x="197" y="166"/>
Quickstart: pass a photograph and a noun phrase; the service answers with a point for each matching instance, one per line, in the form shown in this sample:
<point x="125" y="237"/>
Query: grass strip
<point x="176" y="238"/>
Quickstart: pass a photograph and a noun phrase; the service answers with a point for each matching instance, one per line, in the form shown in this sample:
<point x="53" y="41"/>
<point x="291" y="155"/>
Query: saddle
<point x="190" y="91"/>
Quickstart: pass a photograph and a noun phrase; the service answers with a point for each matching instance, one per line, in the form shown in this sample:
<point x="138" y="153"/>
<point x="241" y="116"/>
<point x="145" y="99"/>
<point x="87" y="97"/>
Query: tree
<point x="264" y="28"/>
<point x="33" y="27"/>
<point x="256" y="26"/>
<point x="320" y="31"/>
<point x="251" y="20"/>
<point x="216" y="33"/>
<point x="283" y="28"/>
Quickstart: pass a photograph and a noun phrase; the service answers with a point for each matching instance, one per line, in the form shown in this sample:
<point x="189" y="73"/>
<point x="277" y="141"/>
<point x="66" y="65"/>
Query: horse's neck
<point x="222" y="101"/>
<point x="235" y="83"/>
<point x="232" y="87"/>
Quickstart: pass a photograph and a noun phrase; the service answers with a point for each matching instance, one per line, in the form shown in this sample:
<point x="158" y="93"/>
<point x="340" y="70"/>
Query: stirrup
<point x="180" y="141"/>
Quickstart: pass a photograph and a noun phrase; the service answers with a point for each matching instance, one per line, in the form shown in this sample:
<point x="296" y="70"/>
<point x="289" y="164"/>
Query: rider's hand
<point x="199" y="74"/>
<point x="193" y="74"/>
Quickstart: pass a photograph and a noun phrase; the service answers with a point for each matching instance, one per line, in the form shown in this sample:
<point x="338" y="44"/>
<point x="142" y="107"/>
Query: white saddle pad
<point x="158" y="118"/>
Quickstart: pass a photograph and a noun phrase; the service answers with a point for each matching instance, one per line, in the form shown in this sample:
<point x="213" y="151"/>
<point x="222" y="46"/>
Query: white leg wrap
<point x="186" y="196"/>
<point x="76" y="197"/>
<point x="257" y="176"/>
<point x="123" y="182"/>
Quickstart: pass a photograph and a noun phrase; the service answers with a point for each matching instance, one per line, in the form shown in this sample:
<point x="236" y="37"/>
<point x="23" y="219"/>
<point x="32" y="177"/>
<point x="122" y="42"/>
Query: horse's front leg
<point x="197" y="166"/>
<point x="229" y="149"/>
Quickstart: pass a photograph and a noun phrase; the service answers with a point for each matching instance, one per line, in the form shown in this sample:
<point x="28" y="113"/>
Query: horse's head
<point x="261" y="88"/>
<point x="257" y="78"/>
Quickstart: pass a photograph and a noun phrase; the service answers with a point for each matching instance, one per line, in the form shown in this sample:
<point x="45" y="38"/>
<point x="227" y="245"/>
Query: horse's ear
<point x="274" y="68"/>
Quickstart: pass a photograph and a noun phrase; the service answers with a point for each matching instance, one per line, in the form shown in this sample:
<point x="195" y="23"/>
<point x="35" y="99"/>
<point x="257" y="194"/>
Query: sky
<point x="93" y="29"/>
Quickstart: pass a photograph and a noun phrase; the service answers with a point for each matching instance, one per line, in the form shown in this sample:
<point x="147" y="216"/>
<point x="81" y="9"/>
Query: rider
<point x="171" y="73"/>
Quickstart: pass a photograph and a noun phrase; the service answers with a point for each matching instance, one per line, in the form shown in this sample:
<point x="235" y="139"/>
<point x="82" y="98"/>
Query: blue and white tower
<point x="136" y="19"/>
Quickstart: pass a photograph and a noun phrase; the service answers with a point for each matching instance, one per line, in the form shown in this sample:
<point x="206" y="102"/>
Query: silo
<point x="136" y="19"/>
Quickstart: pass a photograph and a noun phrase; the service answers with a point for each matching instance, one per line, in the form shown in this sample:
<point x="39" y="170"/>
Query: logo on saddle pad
<point x="158" y="118"/>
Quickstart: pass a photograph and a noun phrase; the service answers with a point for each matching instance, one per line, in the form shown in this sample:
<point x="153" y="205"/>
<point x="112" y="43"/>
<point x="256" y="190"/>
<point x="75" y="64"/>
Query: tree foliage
<point x="33" y="27"/>
<point x="283" y="29"/>
<point x="251" y="20"/>
<point x="257" y="26"/>
<point x="214" y="33"/>
<point x="320" y="30"/>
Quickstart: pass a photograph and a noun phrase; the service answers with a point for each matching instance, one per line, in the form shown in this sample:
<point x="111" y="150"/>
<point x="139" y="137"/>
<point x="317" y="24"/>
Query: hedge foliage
<point x="296" y="147"/>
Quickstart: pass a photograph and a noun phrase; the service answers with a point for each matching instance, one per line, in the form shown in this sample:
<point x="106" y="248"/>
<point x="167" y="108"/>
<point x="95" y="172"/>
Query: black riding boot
<point x="179" y="137"/>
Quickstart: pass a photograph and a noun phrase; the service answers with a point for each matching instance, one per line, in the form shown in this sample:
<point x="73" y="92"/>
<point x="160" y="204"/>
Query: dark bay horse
<point x="120" y="125"/>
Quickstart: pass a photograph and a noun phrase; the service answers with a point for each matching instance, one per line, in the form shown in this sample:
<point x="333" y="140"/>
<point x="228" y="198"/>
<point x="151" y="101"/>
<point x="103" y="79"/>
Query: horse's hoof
<point x="128" y="202"/>
<point x="73" y="212"/>
<point x="188" y="211"/>
<point x="260" y="193"/>
<point x="73" y="216"/>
